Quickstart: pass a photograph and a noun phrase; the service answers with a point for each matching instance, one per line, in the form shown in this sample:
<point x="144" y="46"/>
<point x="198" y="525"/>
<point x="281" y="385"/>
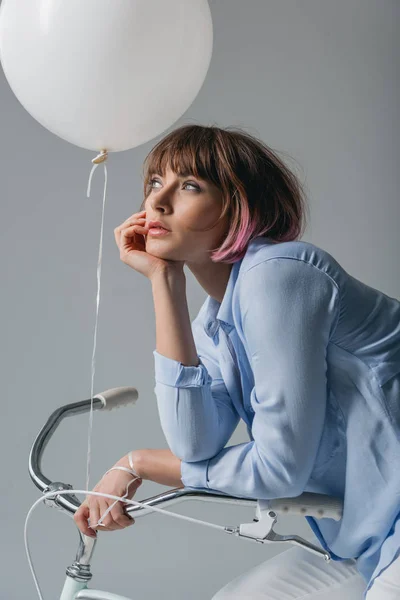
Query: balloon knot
<point x="102" y="157"/>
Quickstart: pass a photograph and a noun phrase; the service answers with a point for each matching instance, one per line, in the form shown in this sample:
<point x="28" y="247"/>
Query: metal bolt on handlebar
<point x="55" y="486"/>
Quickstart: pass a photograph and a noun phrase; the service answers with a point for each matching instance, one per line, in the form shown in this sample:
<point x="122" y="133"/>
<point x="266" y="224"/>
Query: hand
<point x="94" y="507"/>
<point x="130" y="239"/>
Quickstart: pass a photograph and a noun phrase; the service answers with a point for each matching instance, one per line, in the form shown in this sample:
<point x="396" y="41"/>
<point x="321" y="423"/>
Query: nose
<point x="161" y="199"/>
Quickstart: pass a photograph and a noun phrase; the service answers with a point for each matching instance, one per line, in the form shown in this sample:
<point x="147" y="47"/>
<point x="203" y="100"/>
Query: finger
<point x="107" y="521"/>
<point x="120" y="517"/>
<point x="81" y="519"/>
<point x="132" y="219"/>
<point x="132" y="229"/>
<point x="136" y="215"/>
<point x="133" y="234"/>
<point x="94" y="514"/>
<point x="118" y="231"/>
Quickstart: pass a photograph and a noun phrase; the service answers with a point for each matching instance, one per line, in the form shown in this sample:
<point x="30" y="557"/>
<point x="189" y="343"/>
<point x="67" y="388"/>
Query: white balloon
<point x="106" y="74"/>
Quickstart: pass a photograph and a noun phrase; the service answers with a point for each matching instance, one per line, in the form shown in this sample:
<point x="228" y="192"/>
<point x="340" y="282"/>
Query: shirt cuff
<point x="194" y="477"/>
<point x="174" y="373"/>
<point x="194" y="474"/>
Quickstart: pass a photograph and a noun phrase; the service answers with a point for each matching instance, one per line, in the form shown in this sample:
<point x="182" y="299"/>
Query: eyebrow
<point x="181" y="176"/>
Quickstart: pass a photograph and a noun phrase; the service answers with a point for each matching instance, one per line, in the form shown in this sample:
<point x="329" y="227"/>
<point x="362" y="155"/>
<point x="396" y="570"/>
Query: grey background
<point x="315" y="79"/>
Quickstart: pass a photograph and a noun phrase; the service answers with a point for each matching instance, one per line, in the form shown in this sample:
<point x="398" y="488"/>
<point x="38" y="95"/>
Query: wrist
<point x="169" y="274"/>
<point x="135" y="464"/>
<point x="159" y="465"/>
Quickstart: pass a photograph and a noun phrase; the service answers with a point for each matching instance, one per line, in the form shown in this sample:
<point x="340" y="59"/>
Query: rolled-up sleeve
<point x="173" y="373"/>
<point x="288" y="311"/>
<point x="196" y="413"/>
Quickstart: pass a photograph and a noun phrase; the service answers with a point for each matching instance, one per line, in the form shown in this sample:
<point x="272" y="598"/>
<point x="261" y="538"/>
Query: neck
<point x="213" y="277"/>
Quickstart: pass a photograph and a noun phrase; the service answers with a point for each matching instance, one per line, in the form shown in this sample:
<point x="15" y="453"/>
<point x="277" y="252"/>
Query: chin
<point x="158" y="250"/>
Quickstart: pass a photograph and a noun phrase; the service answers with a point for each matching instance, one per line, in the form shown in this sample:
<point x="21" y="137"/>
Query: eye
<point x="193" y="185"/>
<point x="151" y="182"/>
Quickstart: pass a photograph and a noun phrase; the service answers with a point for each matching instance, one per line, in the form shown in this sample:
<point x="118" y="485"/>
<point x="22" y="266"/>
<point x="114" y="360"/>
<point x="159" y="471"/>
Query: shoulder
<point x="263" y="255"/>
<point x="287" y="281"/>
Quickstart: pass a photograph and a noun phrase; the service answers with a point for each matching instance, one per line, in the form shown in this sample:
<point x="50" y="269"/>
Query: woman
<point x="288" y="341"/>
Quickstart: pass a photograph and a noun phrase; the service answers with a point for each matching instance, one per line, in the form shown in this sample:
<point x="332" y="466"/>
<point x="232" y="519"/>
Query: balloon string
<point x="100" y="158"/>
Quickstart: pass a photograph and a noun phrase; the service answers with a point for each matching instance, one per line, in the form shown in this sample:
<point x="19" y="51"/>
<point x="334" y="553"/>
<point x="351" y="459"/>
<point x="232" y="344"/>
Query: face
<point x="186" y="206"/>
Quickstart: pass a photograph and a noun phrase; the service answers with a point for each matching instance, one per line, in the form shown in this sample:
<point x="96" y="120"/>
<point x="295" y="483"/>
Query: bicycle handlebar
<point x="311" y="504"/>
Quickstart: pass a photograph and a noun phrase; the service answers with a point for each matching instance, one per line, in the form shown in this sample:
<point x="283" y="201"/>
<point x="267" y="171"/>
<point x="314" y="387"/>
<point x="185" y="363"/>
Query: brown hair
<point x="261" y="195"/>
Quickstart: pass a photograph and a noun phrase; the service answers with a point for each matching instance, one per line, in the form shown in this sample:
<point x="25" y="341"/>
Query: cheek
<point x="199" y="220"/>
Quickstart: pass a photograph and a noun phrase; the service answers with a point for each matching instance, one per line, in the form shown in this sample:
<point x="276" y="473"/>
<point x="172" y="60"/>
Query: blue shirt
<point x="309" y="357"/>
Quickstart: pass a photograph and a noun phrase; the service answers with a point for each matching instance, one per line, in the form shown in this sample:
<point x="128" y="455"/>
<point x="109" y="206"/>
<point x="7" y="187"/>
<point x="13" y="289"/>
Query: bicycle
<point x="62" y="496"/>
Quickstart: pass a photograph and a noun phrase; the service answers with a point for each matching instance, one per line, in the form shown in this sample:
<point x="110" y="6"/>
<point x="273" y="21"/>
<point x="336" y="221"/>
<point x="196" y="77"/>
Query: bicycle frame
<point x="259" y="530"/>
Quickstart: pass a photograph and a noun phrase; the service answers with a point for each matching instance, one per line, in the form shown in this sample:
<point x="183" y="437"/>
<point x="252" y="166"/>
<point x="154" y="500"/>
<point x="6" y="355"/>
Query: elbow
<point x="279" y="488"/>
<point x="292" y="489"/>
<point x="281" y="479"/>
<point x="196" y="456"/>
<point x="192" y="453"/>
<point x="292" y="482"/>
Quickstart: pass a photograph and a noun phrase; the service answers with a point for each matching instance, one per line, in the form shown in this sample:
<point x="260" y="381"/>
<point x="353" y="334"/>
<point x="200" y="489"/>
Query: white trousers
<point x="297" y="574"/>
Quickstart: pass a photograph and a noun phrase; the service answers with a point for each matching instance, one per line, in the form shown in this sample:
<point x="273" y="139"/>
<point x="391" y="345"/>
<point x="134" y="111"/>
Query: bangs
<point x="185" y="155"/>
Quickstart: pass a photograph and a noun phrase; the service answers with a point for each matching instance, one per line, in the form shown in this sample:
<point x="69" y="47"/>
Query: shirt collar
<point x="221" y="313"/>
<point x="217" y="313"/>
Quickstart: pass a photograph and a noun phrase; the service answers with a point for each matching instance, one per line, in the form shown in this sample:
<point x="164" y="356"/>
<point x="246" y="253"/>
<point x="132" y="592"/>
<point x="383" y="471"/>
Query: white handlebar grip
<point x="319" y="506"/>
<point x="116" y="397"/>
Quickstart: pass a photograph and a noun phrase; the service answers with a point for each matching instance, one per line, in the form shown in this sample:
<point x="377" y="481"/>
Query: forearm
<point x="160" y="466"/>
<point x="196" y="424"/>
<point x="174" y="338"/>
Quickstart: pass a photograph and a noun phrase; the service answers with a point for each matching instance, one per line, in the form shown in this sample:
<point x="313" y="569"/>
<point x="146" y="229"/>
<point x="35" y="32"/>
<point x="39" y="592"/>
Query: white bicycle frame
<point x="259" y="530"/>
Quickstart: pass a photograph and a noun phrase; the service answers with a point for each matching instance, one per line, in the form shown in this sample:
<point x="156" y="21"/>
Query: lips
<point x="156" y="225"/>
<point x="158" y="232"/>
